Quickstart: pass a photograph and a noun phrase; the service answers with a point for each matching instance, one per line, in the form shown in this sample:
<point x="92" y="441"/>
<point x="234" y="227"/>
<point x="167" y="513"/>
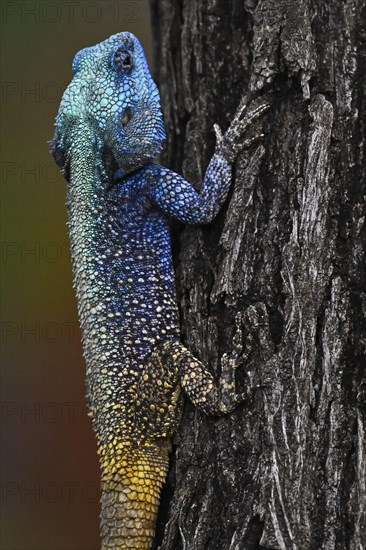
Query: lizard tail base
<point x="131" y="485"/>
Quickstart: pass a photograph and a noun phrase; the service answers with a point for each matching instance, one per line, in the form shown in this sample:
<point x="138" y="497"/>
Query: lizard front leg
<point x="177" y="198"/>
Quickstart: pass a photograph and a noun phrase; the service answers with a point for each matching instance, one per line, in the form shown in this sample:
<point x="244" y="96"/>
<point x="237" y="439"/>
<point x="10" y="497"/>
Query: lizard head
<point x="112" y="91"/>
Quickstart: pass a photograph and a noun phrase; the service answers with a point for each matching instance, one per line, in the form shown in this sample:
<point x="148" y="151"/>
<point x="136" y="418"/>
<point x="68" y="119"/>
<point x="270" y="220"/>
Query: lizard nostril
<point x="126" y="117"/>
<point x="122" y="60"/>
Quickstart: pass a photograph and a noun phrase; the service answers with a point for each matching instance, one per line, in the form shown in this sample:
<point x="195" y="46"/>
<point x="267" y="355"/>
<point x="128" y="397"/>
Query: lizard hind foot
<point x="254" y="317"/>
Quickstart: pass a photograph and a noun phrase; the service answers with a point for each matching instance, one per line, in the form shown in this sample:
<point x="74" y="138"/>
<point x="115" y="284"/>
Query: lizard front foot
<point x="233" y="140"/>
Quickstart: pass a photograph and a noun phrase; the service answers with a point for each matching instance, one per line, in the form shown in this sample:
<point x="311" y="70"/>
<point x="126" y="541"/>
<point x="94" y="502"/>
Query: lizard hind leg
<point x="213" y="398"/>
<point x="158" y="404"/>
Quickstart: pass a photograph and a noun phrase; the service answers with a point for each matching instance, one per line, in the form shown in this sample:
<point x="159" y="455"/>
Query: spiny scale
<point x="109" y="129"/>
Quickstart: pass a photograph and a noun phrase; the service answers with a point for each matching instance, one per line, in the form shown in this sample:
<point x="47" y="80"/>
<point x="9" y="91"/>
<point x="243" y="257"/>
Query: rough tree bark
<point x="286" y="471"/>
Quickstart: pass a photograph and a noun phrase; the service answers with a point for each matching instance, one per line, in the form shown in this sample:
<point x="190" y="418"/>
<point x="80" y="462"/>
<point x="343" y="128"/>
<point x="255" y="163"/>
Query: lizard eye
<point x="126" y="117"/>
<point x="122" y="60"/>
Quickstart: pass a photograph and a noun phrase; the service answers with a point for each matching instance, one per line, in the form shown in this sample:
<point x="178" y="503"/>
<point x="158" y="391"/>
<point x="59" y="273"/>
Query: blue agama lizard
<point x="109" y="130"/>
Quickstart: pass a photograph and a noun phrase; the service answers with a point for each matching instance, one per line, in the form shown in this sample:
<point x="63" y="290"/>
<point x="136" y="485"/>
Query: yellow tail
<point x="132" y="478"/>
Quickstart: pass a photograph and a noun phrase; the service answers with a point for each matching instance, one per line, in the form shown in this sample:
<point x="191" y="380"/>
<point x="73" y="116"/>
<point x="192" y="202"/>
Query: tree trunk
<point x="287" y="470"/>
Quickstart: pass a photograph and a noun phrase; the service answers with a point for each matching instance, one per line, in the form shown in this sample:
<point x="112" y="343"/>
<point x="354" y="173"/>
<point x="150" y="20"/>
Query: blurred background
<point x="49" y="468"/>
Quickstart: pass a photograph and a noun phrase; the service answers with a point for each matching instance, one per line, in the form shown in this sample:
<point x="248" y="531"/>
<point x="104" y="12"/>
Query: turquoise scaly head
<point x="113" y="93"/>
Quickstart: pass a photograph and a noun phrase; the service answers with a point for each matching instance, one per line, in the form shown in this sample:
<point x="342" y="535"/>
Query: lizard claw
<point x="249" y="393"/>
<point x="218" y="133"/>
<point x="256" y="316"/>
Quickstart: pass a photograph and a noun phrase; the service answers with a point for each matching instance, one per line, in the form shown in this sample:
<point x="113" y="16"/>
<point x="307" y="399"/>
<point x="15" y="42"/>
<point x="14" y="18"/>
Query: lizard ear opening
<point x="126" y="117"/>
